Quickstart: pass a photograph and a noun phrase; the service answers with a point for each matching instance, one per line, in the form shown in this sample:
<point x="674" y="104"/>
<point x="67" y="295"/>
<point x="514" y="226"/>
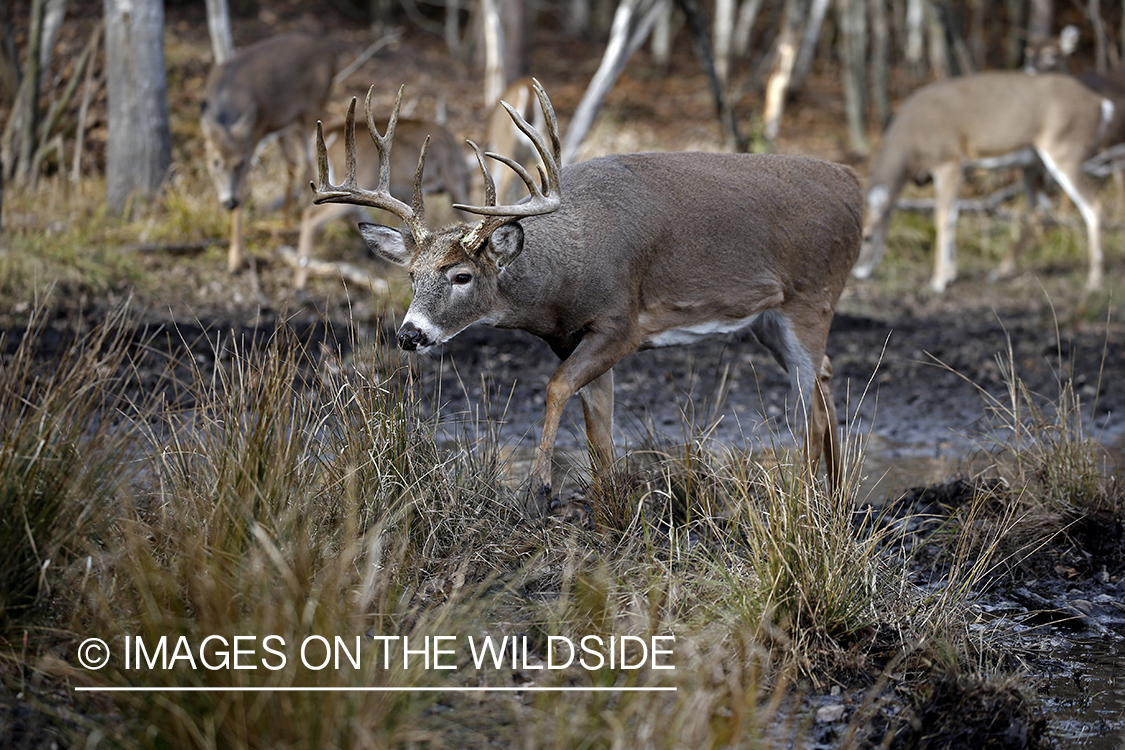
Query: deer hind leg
<point x="1034" y="189"/>
<point x="812" y="407"/>
<point x="1066" y="168"/>
<point x="597" y="408"/>
<point x="823" y="423"/>
<point x="947" y="186"/>
<point x="297" y="165"/>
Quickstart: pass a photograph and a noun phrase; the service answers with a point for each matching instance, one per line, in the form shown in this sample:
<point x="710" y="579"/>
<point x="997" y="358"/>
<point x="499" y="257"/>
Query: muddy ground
<point x="910" y="366"/>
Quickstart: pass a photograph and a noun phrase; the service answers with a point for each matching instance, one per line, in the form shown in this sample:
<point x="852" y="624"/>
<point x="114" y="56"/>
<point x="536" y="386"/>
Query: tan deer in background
<point x="447" y="173"/>
<point x="943" y="127"/>
<point x="629" y="252"/>
<point x="279" y="85"/>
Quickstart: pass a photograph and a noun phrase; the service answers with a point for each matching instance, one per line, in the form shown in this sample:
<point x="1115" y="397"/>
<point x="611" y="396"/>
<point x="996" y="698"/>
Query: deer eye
<point x="462" y="278"/>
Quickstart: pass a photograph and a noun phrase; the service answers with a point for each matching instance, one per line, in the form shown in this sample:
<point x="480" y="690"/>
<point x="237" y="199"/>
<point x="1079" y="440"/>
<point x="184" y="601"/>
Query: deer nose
<point x="230" y="204"/>
<point x="410" y="338"/>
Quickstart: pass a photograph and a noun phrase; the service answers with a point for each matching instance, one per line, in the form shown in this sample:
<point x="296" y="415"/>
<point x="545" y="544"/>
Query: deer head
<point x="454" y="271"/>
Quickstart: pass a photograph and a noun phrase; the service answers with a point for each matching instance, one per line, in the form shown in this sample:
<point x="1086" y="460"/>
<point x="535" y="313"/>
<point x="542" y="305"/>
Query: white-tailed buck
<point x="628" y="252"/>
<point x="447" y="172"/>
<point x="278" y="85"/>
<point x="947" y="126"/>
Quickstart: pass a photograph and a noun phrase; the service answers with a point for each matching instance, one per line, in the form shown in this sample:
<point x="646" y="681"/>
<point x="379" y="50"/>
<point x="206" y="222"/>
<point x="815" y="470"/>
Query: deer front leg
<point x="298" y="167"/>
<point x="947" y="186"/>
<point x="234" y="257"/>
<point x="587" y="367"/>
<point x="880" y="203"/>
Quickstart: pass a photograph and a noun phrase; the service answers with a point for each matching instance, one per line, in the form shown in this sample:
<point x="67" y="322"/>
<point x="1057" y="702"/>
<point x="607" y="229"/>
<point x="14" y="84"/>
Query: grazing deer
<point x="943" y="127"/>
<point x="447" y="173"/>
<point x="629" y="252"/>
<point x="278" y="85"/>
<point x="1051" y="55"/>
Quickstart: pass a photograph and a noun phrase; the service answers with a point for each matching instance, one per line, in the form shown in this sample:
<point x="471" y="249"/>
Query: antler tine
<point x="545" y="198"/>
<point x="489" y="183"/>
<point x="349" y="191"/>
<point x="418" y="207"/>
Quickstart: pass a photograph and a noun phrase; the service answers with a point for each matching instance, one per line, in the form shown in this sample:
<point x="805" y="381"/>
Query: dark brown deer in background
<point x="447" y="172"/>
<point x="279" y="86"/>
<point x="628" y="252"/>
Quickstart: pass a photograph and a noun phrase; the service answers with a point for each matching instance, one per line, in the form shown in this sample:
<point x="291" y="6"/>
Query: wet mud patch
<point x="1052" y="597"/>
<point x="970" y="713"/>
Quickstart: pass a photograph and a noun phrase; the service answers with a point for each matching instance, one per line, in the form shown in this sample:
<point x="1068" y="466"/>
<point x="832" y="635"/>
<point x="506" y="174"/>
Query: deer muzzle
<point x="411" y="338"/>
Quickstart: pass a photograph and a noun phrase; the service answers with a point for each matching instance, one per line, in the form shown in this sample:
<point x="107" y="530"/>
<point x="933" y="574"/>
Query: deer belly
<point x="689" y="334"/>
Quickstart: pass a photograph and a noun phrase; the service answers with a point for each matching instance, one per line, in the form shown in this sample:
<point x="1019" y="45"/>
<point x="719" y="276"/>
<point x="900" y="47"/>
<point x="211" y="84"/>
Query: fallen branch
<point x="989" y="204"/>
<point x="345" y="271"/>
<point x="1104" y="163"/>
<point x="175" y="248"/>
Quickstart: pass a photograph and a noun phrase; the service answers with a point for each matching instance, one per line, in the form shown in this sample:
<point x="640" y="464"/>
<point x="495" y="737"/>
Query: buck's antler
<point x="349" y="192"/>
<point x="545" y="197"/>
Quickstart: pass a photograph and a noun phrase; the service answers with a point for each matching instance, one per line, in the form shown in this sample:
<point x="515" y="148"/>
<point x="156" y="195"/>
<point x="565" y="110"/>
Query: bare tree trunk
<point x="915" y="35"/>
<point x="218" y="23"/>
<point x="1041" y="21"/>
<point x="809" y="40"/>
<point x="978" y="34"/>
<point x="723" y="34"/>
<point x="632" y="24"/>
<point x="951" y="22"/>
<point x="880" y="43"/>
<point x="1017" y="32"/>
<point x="514" y="14"/>
<point x="9" y="55"/>
<point x="89" y="88"/>
<point x="697" y="24"/>
<point x="747" y="15"/>
<point x="853" y="47"/>
<point x="19" y="135"/>
<point x="451" y="29"/>
<point x="52" y="21"/>
<point x="493" y="32"/>
<point x="939" y="49"/>
<point x="139" y="146"/>
<point x="777" y="87"/>
<point x="577" y="21"/>
<point x="662" y="37"/>
<point x="1101" y="45"/>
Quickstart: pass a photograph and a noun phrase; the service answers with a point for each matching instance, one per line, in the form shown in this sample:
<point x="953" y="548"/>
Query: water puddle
<point x="1088" y="701"/>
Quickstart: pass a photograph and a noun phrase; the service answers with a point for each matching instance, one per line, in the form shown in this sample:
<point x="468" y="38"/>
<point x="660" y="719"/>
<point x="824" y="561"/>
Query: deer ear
<point x="386" y="242"/>
<point x="505" y="244"/>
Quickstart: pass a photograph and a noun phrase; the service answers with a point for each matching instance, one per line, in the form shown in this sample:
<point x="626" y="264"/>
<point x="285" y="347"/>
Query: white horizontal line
<point x="529" y="689"/>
